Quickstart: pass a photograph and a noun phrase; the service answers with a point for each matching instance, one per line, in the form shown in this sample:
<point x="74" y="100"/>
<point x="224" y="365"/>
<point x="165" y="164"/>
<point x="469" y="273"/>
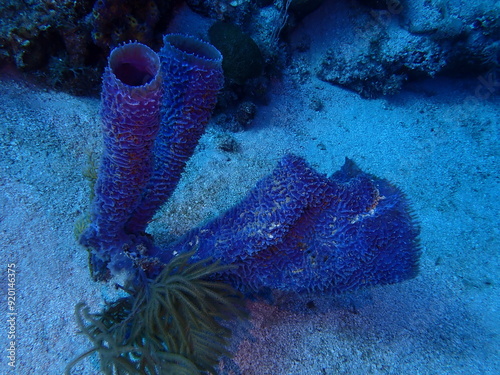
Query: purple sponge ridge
<point x="193" y="71"/>
<point x="131" y="97"/>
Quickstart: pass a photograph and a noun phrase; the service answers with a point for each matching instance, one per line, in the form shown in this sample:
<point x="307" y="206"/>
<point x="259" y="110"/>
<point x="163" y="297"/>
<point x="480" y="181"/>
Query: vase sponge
<point x="300" y="231"/>
<point x="155" y="108"/>
<point x="131" y="98"/>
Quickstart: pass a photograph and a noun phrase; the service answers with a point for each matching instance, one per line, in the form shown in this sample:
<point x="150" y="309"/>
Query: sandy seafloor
<point x="438" y="140"/>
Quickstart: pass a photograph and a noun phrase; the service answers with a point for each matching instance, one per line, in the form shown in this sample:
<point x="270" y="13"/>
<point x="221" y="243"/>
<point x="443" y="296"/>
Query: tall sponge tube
<point x="193" y="77"/>
<point x="131" y="98"/>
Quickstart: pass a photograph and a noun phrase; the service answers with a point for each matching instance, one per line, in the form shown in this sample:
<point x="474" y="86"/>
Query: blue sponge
<point x="193" y="71"/>
<point x="154" y="110"/>
<point x="298" y="230"/>
<point x="131" y="98"/>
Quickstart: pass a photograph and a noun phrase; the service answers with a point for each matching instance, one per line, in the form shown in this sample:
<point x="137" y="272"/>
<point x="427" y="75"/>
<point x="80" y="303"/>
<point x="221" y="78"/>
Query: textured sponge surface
<point x="194" y="73"/>
<point x="298" y="230"/>
<point x="131" y="97"/>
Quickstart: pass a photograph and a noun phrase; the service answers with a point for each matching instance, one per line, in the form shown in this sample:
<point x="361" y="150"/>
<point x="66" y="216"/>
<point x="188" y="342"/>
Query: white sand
<point x="432" y="140"/>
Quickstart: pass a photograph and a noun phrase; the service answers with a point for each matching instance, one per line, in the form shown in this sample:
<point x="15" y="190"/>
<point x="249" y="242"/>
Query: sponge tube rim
<point x="135" y="52"/>
<point x="192" y="49"/>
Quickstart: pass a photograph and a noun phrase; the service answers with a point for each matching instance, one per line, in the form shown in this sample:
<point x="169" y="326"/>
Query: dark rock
<point x="245" y="113"/>
<point x="227" y="143"/>
<point x="242" y="57"/>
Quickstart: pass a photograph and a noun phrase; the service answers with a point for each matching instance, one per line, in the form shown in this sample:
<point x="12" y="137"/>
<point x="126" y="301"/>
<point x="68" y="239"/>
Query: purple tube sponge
<point x="298" y="230"/>
<point x="193" y="77"/>
<point x="263" y="218"/>
<point x="131" y="98"/>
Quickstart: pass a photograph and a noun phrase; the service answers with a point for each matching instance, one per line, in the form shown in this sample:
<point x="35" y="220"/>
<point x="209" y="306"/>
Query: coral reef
<point x="51" y="38"/>
<point x="382" y="69"/>
<point x="25" y="31"/>
<point x="388" y="43"/>
<point x="116" y="21"/>
<point x="67" y="42"/>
